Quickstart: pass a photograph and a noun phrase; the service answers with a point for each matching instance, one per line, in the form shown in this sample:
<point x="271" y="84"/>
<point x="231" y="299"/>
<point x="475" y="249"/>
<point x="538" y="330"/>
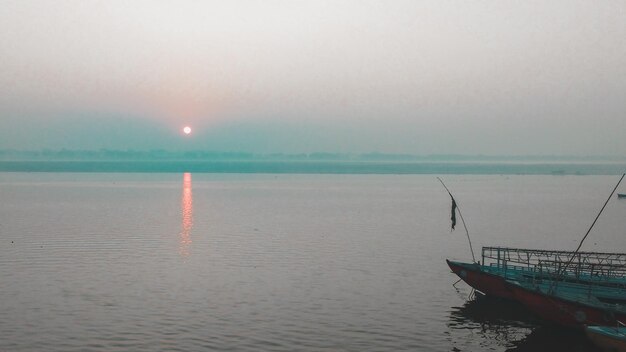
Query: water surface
<point x="147" y="262"/>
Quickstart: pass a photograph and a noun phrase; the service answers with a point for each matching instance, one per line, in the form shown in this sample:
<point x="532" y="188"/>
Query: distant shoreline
<point x="159" y="155"/>
<point x="320" y="167"/>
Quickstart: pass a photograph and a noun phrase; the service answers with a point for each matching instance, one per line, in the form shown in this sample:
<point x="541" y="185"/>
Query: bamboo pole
<point x="561" y="274"/>
<point x="462" y="220"/>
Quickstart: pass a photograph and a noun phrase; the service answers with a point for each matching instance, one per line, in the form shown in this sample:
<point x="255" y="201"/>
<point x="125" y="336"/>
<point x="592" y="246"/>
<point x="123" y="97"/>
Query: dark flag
<point x="453" y="217"/>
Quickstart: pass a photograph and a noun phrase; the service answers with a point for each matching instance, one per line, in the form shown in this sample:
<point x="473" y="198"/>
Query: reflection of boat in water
<point x="491" y="312"/>
<point x="550" y="339"/>
<point x="487" y="321"/>
<point x="608" y="338"/>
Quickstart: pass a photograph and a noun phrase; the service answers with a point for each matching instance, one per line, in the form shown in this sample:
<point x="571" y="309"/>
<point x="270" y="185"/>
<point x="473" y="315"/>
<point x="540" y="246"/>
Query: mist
<point x="428" y="77"/>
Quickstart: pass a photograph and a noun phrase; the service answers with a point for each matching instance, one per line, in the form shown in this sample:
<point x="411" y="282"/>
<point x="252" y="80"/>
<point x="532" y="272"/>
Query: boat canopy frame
<point x="603" y="264"/>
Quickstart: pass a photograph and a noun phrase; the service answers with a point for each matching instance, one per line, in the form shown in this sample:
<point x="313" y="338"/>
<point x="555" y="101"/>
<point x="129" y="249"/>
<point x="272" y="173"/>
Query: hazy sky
<point x="418" y="77"/>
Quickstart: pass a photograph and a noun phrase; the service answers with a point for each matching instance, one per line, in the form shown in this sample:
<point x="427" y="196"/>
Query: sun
<point x="187" y="130"/>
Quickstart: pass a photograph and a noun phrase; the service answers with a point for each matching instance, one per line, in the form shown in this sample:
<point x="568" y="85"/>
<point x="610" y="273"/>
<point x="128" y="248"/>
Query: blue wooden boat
<point x="608" y="338"/>
<point x="499" y="264"/>
<point x="573" y="305"/>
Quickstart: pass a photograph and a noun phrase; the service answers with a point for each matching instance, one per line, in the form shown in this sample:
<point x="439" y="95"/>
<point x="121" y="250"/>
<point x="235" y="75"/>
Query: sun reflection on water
<point x="187" y="212"/>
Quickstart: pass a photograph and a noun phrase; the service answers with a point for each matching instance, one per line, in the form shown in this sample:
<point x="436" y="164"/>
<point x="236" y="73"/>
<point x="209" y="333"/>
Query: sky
<point x="416" y="77"/>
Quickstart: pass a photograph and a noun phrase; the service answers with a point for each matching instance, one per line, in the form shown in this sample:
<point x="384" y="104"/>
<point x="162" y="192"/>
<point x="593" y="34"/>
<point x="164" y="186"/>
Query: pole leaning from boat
<point x="562" y="273"/>
<point x="462" y="220"/>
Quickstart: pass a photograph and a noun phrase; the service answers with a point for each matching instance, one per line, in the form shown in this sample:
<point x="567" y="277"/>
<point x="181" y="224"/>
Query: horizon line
<point x="164" y="154"/>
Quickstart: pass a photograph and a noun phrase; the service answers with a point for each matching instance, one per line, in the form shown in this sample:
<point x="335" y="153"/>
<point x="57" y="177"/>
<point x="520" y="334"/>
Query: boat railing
<point x="552" y="267"/>
<point x="592" y="275"/>
<point x="531" y="258"/>
<point x="584" y="269"/>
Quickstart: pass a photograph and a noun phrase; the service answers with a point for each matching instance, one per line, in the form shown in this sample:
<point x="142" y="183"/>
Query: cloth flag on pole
<point x="453" y="216"/>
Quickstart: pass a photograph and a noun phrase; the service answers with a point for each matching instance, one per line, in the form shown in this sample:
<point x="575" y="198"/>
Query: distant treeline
<point x="200" y="155"/>
<point x="317" y="167"/>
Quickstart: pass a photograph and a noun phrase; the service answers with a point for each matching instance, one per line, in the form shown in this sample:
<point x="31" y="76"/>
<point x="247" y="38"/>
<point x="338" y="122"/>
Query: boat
<point x="607" y="337"/>
<point x="621" y="195"/>
<point x="570" y="288"/>
<point x="500" y="264"/>
<point x="481" y="279"/>
<point x="572" y="305"/>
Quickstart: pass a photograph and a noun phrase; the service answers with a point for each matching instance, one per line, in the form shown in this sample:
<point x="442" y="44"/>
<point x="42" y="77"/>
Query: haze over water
<point x="261" y="175"/>
<point x="149" y="262"/>
<point x="421" y="78"/>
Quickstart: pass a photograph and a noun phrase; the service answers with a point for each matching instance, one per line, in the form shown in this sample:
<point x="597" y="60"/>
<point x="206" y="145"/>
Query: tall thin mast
<point x="562" y="273"/>
<point x="462" y="220"/>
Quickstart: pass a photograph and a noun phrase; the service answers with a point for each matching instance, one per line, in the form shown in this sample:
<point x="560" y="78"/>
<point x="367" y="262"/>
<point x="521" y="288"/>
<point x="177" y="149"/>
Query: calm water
<point x="148" y="262"/>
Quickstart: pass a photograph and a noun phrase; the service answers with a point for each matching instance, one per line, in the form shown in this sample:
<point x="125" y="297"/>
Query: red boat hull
<point x="489" y="284"/>
<point x="611" y="340"/>
<point x="564" y="312"/>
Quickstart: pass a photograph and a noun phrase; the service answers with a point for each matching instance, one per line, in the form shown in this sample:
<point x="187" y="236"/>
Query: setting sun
<point x="187" y="130"/>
